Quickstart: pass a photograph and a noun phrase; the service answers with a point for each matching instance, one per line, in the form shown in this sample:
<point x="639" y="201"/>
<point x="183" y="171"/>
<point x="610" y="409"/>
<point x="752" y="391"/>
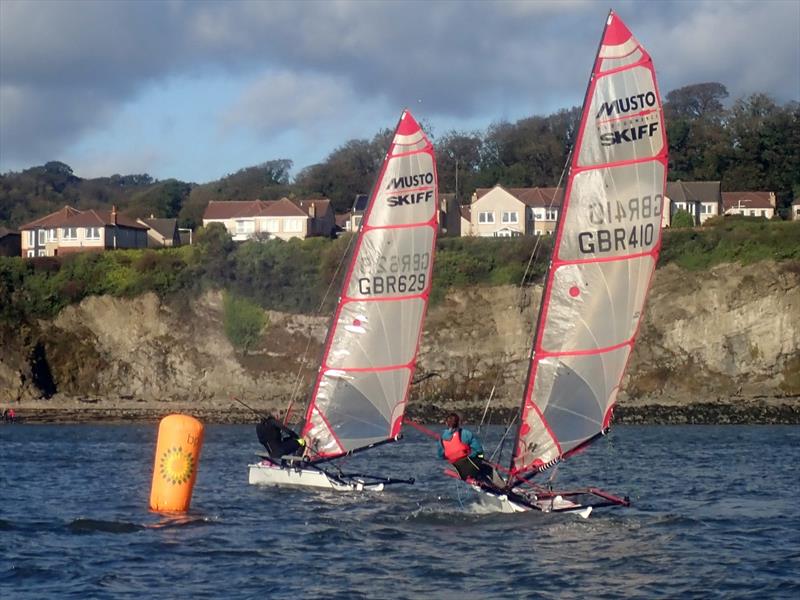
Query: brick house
<point x="749" y="204"/>
<point x="501" y="212"/>
<point x="71" y="230"/>
<point x="284" y="218"/>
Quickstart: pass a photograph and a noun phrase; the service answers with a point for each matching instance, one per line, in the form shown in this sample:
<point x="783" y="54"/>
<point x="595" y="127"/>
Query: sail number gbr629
<point x="636" y="225"/>
<point x="394" y="274"/>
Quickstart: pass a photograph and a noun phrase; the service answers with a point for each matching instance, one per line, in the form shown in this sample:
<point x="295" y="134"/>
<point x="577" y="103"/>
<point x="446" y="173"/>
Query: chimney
<point x="114" y="214"/>
<point x="151" y="216"/>
<point x="312" y="210"/>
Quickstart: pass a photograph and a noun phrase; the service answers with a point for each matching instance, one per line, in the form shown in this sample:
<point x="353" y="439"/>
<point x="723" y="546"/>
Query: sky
<point x="196" y="90"/>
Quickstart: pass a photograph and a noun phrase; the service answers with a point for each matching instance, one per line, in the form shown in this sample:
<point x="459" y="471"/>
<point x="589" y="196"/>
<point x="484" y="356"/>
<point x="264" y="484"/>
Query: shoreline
<point x="759" y="412"/>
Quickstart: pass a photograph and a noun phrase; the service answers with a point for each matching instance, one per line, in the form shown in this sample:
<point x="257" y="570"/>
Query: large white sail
<point x="605" y="252"/>
<point x="362" y="386"/>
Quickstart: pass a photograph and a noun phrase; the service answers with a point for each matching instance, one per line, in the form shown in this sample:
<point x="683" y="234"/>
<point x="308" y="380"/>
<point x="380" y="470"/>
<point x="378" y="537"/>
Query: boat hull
<point x="502" y="503"/>
<point x="266" y="473"/>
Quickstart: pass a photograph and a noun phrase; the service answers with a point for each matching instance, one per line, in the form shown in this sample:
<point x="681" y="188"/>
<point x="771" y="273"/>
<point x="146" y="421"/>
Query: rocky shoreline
<point x="783" y="411"/>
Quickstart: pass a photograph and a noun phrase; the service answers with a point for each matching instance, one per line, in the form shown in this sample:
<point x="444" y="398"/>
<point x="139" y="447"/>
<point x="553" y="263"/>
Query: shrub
<point x="243" y="321"/>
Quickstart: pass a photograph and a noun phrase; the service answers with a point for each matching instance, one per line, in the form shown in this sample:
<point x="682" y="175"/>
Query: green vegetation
<point x="294" y="276"/>
<point x="682" y="218"/>
<point x="753" y="145"/>
<point x="243" y="321"/>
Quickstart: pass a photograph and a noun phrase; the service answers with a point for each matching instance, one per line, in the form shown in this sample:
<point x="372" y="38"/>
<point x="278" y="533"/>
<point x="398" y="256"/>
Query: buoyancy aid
<point x="454" y="448"/>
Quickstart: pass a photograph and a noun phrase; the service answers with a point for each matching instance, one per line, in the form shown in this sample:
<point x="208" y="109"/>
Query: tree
<point x="696" y="101"/>
<point x="682" y="218"/>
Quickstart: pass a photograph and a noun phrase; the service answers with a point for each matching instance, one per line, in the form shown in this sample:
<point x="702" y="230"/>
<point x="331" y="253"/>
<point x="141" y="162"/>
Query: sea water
<point x="715" y="514"/>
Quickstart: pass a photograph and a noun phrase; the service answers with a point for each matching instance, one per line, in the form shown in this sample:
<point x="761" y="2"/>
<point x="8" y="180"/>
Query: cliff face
<point x="729" y="333"/>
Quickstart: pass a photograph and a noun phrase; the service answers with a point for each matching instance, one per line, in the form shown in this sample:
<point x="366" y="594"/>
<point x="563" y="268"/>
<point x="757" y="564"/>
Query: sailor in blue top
<point x="463" y="450"/>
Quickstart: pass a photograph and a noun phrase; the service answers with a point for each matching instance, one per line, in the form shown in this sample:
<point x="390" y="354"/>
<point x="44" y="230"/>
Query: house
<point x="749" y="204"/>
<point x="796" y="210"/>
<point x="501" y="212"/>
<point x="71" y="230"/>
<point x="284" y="218"/>
<point x="162" y="232"/>
<point x="449" y="216"/>
<point x="465" y="226"/>
<point x="10" y="242"/>
<point x="701" y="199"/>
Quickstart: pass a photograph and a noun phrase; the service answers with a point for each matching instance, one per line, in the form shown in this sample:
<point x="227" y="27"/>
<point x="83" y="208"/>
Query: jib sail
<point x="361" y="389"/>
<point x="606" y="247"/>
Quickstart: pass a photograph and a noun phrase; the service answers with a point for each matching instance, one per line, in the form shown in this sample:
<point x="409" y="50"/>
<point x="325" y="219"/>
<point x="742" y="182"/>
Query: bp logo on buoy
<point x="176" y="466"/>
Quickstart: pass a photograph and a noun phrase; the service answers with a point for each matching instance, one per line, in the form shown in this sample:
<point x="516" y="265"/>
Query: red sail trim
<point x="616" y="31"/>
<point x="404" y="127"/>
<point x="547" y="354"/>
<point x="369" y="369"/>
<point x="626" y="117"/>
<point x="605" y="259"/>
<point x="423" y="188"/>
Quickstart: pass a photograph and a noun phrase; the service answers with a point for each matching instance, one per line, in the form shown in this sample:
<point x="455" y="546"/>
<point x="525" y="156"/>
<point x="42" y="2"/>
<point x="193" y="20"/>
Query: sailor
<point x="278" y="439"/>
<point x="464" y="451"/>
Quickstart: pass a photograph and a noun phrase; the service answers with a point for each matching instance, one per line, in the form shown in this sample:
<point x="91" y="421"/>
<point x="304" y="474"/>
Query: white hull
<point x="501" y="503"/>
<point x="266" y="473"/>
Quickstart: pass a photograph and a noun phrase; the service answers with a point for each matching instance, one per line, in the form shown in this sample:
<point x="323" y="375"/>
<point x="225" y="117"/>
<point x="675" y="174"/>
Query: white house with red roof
<point x="511" y="212"/>
<point x="71" y="230"/>
<point x="284" y="218"/>
<point x="795" y="216"/>
<point x="749" y="204"/>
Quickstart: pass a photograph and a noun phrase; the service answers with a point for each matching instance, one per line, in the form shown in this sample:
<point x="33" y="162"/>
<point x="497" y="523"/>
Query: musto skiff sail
<point x="606" y="247"/>
<point x="362" y="386"/>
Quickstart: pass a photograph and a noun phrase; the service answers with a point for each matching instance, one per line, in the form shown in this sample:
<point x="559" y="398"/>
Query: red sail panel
<point x="606" y="248"/>
<point x="362" y="386"/>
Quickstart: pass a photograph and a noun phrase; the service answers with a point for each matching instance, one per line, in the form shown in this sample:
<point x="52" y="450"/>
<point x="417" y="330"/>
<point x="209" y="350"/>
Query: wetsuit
<point x="277" y="439"/>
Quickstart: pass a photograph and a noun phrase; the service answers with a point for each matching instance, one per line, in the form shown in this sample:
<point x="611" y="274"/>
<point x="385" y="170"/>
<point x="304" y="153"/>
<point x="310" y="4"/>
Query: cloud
<point x="66" y="66"/>
<point x="277" y="102"/>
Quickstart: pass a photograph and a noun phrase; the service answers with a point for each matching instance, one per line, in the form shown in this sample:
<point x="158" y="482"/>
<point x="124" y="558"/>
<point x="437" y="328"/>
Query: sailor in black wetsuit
<point x="278" y="439"/>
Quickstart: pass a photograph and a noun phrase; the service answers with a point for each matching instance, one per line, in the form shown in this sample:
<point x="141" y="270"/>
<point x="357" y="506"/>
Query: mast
<point x="370" y="353"/>
<point x="606" y="246"/>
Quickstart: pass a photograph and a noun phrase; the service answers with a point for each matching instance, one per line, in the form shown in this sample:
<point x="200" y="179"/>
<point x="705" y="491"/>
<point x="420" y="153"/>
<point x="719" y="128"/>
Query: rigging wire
<point x="298" y="376"/>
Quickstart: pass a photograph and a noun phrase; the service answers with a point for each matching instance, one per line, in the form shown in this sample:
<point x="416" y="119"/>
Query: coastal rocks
<point x="721" y="345"/>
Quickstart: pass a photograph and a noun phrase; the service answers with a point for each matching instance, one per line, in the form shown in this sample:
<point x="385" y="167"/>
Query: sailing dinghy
<point x="605" y="252"/>
<point x="362" y="385"/>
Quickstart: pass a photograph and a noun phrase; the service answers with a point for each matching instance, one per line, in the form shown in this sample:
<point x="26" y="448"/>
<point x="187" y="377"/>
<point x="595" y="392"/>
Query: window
<point x="293" y="225"/>
<point x="357" y="221"/>
<point x="42" y="253"/>
<point x="92" y="233"/>
<point x="486" y="217"/>
<point x="247" y="226"/>
<point x="31" y="253"/>
<point x="272" y="225"/>
<point x="538" y="214"/>
<point x="42" y="237"/>
<point x="552" y="214"/>
<point x="69" y="233"/>
<point x="52" y="235"/>
<point x="763" y="213"/>
<point x="31" y="238"/>
<point x="752" y="213"/>
<point x="510" y="216"/>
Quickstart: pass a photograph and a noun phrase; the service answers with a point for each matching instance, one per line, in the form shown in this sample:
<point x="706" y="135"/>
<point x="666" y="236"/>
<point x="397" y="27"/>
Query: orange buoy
<point x="180" y="438"/>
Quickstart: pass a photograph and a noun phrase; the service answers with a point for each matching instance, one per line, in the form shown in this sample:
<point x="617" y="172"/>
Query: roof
<point x="4" y="231"/>
<point x="465" y="210"/>
<point x="535" y="197"/>
<point x="748" y="200"/>
<point x="244" y="209"/>
<point x="164" y="227"/>
<point x="360" y="202"/>
<point x="342" y="219"/>
<point x="694" y="191"/>
<point x="72" y="217"/>
<point x="321" y="205"/>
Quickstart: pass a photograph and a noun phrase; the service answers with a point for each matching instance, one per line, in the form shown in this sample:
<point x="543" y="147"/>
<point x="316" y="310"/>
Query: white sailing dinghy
<point x="606" y="247"/>
<point x="362" y="386"/>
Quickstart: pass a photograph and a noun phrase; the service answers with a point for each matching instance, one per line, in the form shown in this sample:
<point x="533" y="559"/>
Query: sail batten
<point x="606" y="247"/>
<point x="361" y="389"/>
